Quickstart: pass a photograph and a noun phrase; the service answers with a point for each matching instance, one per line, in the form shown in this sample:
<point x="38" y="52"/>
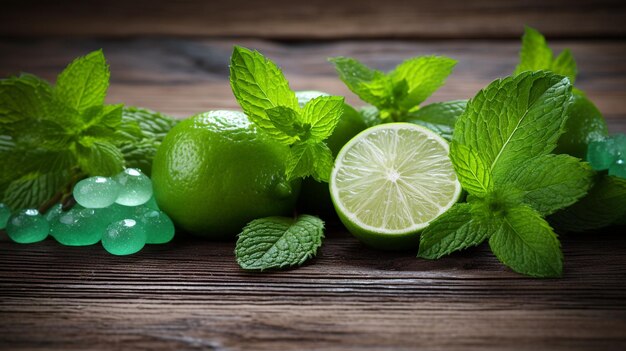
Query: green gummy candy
<point x="5" y="213"/>
<point x="80" y="226"/>
<point x="96" y="192"/>
<point x="124" y="237"/>
<point x="136" y="187"/>
<point x="158" y="226"/>
<point x="600" y="154"/>
<point x="618" y="169"/>
<point x="27" y="226"/>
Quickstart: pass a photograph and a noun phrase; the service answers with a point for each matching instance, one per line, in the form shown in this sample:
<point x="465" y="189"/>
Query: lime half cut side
<point x="390" y="181"/>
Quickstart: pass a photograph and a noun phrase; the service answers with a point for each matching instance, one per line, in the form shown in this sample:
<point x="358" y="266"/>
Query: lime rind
<point x="393" y="180"/>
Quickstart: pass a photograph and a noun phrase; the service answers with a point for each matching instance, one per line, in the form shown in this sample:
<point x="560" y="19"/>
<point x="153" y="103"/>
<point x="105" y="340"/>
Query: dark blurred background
<point x="172" y="55"/>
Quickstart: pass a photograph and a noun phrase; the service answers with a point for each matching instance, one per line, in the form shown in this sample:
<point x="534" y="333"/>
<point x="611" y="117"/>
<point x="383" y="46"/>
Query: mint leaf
<point x="23" y="99"/>
<point x="84" y="82"/>
<point x="527" y="244"/>
<point x="457" y="229"/>
<point x="310" y="159"/>
<point x="286" y="120"/>
<point x="259" y="85"/>
<point x="423" y="75"/>
<point x="535" y="54"/>
<point x="99" y="157"/>
<point x="152" y="124"/>
<point x="368" y="84"/>
<point x="439" y="117"/>
<point x="602" y="206"/>
<point x="472" y="171"/>
<point x="322" y="115"/>
<point x="278" y="242"/>
<point x="550" y="182"/>
<point x="33" y="189"/>
<point x="515" y="118"/>
<point x="565" y="65"/>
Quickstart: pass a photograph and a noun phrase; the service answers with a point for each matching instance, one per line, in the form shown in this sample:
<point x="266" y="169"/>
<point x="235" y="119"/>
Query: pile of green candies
<point x="608" y="154"/>
<point x="120" y="212"/>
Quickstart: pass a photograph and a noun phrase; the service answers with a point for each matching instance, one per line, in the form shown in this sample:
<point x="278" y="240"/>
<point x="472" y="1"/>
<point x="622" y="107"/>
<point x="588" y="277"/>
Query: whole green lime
<point x="216" y="171"/>
<point x="314" y="196"/>
<point x="584" y="125"/>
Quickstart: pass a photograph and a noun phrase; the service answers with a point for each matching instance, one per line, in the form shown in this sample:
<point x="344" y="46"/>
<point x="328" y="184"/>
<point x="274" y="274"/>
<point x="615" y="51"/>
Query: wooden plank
<point x="190" y="294"/>
<point x="314" y="19"/>
<point x="184" y="77"/>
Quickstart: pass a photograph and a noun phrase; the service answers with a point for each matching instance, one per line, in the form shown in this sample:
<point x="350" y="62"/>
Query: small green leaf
<point x="527" y="244"/>
<point x="310" y="159"/>
<point x="286" y="120"/>
<point x="439" y="117"/>
<point x="259" y="85"/>
<point x="472" y="171"/>
<point x="456" y="229"/>
<point x="84" y="83"/>
<point x="278" y="242"/>
<point x="550" y="182"/>
<point x="99" y="157"/>
<point x="370" y="85"/>
<point x="153" y="124"/>
<point x="423" y="75"/>
<point x="24" y="99"/>
<point x="33" y="189"/>
<point x="565" y="65"/>
<point x="322" y="115"/>
<point x="535" y="54"/>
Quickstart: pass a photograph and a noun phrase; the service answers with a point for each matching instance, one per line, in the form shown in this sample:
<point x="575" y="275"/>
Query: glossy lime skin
<point x="215" y="172"/>
<point x="584" y="125"/>
<point x="315" y="196"/>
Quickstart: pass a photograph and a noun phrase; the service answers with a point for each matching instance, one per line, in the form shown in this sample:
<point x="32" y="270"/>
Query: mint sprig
<point x="52" y="136"/>
<point x="278" y="242"/>
<point x="536" y="55"/>
<point x="501" y="151"/>
<point x="264" y="94"/>
<point x="400" y="91"/>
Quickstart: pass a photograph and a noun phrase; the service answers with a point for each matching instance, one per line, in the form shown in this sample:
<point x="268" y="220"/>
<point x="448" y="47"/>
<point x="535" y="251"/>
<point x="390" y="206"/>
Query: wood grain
<point x="314" y="19"/>
<point x="190" y="294"/>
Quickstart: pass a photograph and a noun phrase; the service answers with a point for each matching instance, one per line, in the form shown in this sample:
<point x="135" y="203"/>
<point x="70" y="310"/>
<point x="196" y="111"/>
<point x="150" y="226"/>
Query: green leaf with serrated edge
<point x="603" y="205"/>
<point x="153" y="124"/>
<point x="310" y="159"/>
<point x="526" y="243"/>
<point x="23" y="99"/>
<point x="535" y="54"/>
<point x="565" y="65"/>
<point x="550" y="182"/>
<point x="286" y="120"/>
<point x="31" y="190"/>
<point x="84" y="83"/>
<point x="440" y="117"/>
<point x="322" y="115"/>
<point x="99" y="157"/>
<point x="259" y="85"/>
<point x="370" y="85"/>
<point x="370" y="115"/>
<point x="514" y="119"/>
<point x="423" y="75"/>
<point x="278" y="242"/>
<point x="457" y="229"/>
<point x="103" y="122"/>
<point x="472" y="171"/>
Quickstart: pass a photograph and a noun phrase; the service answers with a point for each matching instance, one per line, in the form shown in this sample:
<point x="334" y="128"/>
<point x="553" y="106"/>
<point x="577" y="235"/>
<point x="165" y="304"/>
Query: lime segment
<point x="390" y="181"/>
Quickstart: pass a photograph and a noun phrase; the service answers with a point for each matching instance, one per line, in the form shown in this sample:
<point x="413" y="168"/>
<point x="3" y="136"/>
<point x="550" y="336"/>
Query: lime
<point x="314" y="196"/>
<point x="390" y="181"/>
<point x="584" y="125"/>
<point x="216" y="171"/>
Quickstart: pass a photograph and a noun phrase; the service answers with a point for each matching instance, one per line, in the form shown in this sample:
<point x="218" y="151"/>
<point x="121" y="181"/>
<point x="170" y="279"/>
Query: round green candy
<point x="96" y="192"/>
<point x="53" y="213"/>
<point x="124" y="237"/>
<point x="158" y="226"/>
<point x="27" y="226"/>
<point x="136" y="187"/>
<point x="601" y="154"/>
<point x="618" y="169"/>
<point x="80" y="226"/>
<point x="5" y="213"/>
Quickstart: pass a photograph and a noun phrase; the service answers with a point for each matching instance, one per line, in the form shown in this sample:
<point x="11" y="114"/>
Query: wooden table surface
<point x="190" y="294"/>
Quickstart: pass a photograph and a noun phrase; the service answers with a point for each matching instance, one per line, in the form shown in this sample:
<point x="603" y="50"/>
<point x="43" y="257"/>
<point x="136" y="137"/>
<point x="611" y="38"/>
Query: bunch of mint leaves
<point x="53" y="136"/>
<point x="500" y="150"/>
<point x="264" y="94"/>
<point x="396" y="96"/>
<point x="605" y="203"/>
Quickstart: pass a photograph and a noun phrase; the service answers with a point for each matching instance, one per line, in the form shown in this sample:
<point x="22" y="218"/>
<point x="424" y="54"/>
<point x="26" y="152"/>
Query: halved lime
<point x="390" y="181"/>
